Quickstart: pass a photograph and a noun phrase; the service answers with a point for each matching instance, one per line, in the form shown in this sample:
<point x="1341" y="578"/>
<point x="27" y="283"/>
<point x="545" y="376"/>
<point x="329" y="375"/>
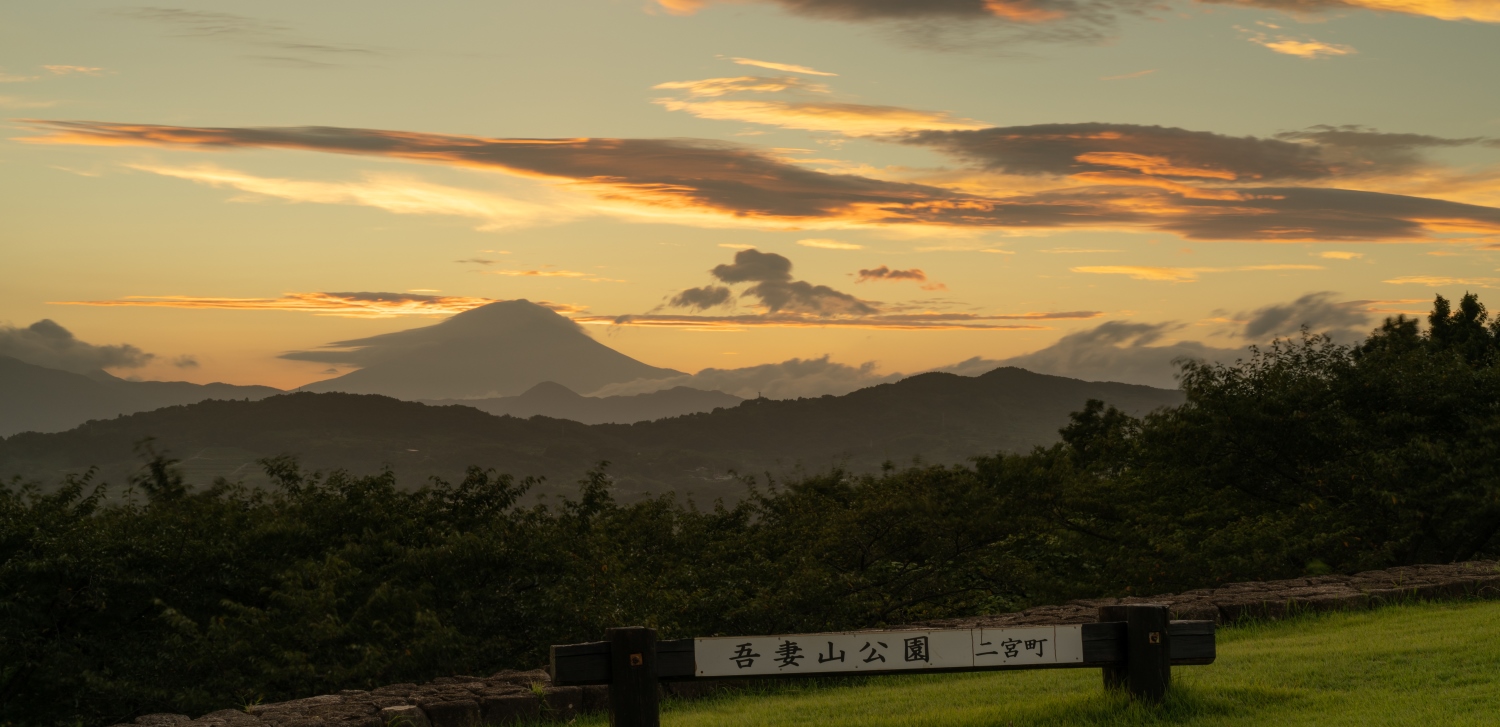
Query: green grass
<point x="1422" y="664"/>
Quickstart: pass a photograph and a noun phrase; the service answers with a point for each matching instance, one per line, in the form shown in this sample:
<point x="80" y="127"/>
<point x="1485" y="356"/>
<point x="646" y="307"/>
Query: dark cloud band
<point x="1319" y="153"/>
<point x="1154" y="178"/>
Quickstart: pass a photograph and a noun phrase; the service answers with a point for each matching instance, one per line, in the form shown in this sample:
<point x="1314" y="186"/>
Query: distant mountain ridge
<point x="942" y="418"/>
<point x="39" y="399"/>
<point x="551" y="399"/>
<point x="496" y="350"/>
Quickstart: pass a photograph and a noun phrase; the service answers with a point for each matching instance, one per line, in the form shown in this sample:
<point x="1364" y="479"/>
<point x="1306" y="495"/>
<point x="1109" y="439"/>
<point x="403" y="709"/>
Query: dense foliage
<point x="1310" y="456"/>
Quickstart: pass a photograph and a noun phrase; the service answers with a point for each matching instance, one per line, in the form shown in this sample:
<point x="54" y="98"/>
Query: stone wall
<point x="510" y="696"/>
<point x="1276" y="599"/>
<point x="463" y="701"/>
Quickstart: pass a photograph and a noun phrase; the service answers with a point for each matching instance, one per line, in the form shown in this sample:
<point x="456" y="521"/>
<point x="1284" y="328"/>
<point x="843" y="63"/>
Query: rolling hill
<point x="941" y="418"/>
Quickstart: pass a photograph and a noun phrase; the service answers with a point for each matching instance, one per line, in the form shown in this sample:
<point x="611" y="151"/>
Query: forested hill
<point x="942" y="418"/>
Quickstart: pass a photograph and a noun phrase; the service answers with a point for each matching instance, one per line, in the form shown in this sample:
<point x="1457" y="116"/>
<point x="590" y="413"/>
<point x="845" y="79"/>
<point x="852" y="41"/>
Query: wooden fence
<point x="1135" y="646"/>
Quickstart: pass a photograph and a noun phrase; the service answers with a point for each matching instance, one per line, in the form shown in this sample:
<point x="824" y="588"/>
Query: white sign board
<point x="876" y="651"/>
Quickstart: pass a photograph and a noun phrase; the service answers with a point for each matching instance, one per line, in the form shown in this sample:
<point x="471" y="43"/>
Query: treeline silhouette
<point x="1309" y="457"/>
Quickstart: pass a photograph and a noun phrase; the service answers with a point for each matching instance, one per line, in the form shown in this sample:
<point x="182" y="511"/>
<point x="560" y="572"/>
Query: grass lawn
<point x="1424" y="664"/>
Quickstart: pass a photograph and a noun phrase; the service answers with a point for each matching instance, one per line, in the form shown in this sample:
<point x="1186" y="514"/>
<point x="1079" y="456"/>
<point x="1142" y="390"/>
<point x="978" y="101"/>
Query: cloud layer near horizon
<point x="1126" y="351"/>
<point x="781" y="301"/>
<point x="47" y="344"/>
<point x="1109" y="176"/>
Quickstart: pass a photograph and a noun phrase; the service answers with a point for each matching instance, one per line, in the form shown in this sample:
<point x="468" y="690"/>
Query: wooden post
<point x="1114" y="676"/>
<point x="1148" y="651"/>
<point x="633" y="695"/>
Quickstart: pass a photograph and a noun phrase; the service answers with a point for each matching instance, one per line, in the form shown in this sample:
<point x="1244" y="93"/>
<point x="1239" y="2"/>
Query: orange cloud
<point x="1177" y="275"/>
<point x="682" y="7"/>
<point x="845" y="118"/>
<point x="827" y="244"/>
<point x="741" y="84"/>
<point x="344" y="305"/>
<point x="1308" y="48"/>
<point x="1486" y="11"/>
<point x="1022" y="11"/>
<point x="1436" y="281"/>
<point x="1137" y="180"/>
<point x="1143" y="272"/>
<point x="1150" y="164"/>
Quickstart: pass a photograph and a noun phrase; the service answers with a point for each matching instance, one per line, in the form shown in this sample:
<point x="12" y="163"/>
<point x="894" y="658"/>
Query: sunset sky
<point x="920" y="181"/>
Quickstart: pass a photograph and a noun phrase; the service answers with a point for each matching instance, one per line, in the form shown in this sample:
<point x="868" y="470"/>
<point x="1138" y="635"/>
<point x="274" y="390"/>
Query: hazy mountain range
<point x="942" y="418"/>
<point x="39" y="399"/>
<point x="511" y="357"/>
<point x="551" y="399"/>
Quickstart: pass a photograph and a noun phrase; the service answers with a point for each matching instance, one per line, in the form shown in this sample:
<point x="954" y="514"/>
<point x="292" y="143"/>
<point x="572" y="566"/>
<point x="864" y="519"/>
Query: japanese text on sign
<point x="887" y="651"/>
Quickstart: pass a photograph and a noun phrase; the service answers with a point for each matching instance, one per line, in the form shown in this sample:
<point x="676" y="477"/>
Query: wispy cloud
<point x="1320" y="312"/>
<point x="827" y="244"/>
<point x="1178" y="275"/>
<point x="16" y="102"/>
<point x="344" y="305"/>
<point x="75" y="70"/>
<point x="587" y="277"/>
<point x="712" y="87"/>
<point x="1126" y="76"/>
<point x="396" y="193"/>
<point x="275" y="43"/>
<point x="1435" y="281"/>
<point x="786" y="67"/>
<point x="885" y="273"/>
<point x="1300" y="47"/>
<point x="1340" y="255"/>
<point x="850" y="119"/>
<point x="796" y="111"/>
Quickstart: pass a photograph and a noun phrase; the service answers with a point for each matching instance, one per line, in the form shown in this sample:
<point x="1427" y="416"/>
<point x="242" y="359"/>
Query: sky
<point x="895" y="184"/>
